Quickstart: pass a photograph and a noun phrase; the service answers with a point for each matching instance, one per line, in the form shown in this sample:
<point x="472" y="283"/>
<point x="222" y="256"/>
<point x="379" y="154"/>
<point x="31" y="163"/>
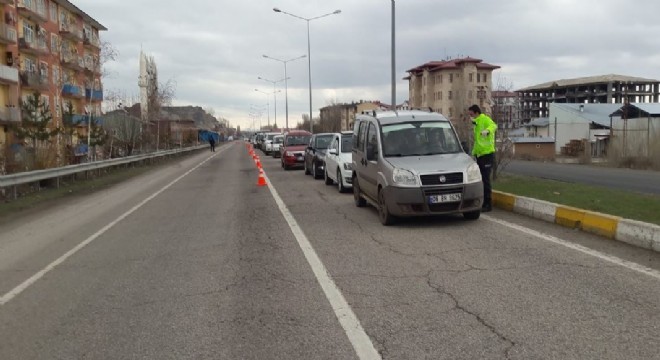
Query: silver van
<point x="411" y="163"/>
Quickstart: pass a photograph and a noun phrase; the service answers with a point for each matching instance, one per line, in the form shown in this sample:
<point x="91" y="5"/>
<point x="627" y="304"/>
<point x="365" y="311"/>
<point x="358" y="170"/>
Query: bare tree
<point x="159" y="96"/>
<point x="502" y="113"/>
<point x="331" y="121"/>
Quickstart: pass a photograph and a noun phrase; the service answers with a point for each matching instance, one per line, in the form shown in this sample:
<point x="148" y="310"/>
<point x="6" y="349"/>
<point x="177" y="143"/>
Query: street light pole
<point x="286" y="86"/>
<point x="274" y="93"/>
<point x="393" y="61"/>
<point x="267" y="106"/>
<point x="309" y="56"/>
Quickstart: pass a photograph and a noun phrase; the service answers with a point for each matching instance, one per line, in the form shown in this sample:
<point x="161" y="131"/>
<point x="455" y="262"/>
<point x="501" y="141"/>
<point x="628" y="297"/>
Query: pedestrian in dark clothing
<point x="212" y="143"/>
<point x="484" y="150"/>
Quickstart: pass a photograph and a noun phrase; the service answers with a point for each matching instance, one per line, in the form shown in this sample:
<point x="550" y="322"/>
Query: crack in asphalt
<point x="441" y="290"/>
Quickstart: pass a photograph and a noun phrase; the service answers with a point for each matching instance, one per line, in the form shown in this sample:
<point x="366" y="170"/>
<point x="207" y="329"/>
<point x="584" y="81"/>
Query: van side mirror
<point x="332" y="151"/>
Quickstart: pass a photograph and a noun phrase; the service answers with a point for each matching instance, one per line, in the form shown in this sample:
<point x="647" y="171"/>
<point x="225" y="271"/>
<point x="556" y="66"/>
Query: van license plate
<point x="436" y="199"/>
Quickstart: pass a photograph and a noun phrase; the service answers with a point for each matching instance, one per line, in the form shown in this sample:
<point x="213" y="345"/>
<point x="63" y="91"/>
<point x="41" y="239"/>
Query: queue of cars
<point x="405" y="163"/>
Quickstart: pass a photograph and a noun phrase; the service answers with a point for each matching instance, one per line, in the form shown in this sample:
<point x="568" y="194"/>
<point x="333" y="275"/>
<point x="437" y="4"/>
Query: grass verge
<point x="626" y="204"/>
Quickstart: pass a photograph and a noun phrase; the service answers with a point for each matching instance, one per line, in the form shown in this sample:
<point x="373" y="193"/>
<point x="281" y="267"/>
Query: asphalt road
<point x="621" y="179"/>
<point x="194" y="261"/>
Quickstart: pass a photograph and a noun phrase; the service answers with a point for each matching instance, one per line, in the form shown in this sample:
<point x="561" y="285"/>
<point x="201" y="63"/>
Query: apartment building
<point x="51" y="47"/>
<point x="344" y="114"/>
<point x="602" y="89"/>
<point x="506" y="109"/>
<point x="451" y="86"/>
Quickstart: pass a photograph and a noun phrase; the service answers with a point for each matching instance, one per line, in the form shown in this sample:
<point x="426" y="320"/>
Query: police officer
<point x="484" y="150"/>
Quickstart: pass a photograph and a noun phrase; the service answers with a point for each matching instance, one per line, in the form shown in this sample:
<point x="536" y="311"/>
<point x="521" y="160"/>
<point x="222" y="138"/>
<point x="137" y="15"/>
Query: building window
<point x="56" y="75"/>
<point x="470" y="93"/>
<point x="440" y="78"/>
<point x="42" y="9"/>
<point x="478" y="77"/>
<point x="451" y="79"/>
<point x="53" y="12"/>
<point x="440" y="95"/>
<point x="451" y="112"/>
<point x="470" y="77"/>
<point x="46" y="101"/>
<point x="449" y="95"/>
<point x="54" y="43"/>
<point x="29" y="65"/>
<point x="485" y="77"/>
<point x="28" y="32"/>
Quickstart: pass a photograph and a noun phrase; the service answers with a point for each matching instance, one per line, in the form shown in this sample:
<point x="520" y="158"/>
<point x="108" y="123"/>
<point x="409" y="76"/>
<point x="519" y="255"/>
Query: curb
<point x="632" y="232"/>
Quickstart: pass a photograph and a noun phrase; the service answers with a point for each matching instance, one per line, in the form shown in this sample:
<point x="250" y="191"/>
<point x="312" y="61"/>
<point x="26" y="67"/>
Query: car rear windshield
<point x="278" y="139"/>
<point x="297" y="140"/>
<point x="419" y="139"/>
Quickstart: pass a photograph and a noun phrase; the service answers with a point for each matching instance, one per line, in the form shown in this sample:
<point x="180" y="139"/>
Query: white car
<point x="276" y="144"/>
<point x="338" y="161"/>
<point x="268" y="143"/>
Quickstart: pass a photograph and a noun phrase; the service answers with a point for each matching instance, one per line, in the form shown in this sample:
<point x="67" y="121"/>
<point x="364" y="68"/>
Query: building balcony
<point x="94" y="95"/>
<point x="82" y="120"/>
<point x="71" y="90"/>
<point x="10" y="114"/>
<point x="7" y="34"/>
<point x="34" y="80"/>
<point x="73" y="62"/>
<point x="91" y="41"/>
<point x="30" y="10"/>
<point x="8" y="75"/>
<point x="70" y="32"/>
<point x="38" y="48"/>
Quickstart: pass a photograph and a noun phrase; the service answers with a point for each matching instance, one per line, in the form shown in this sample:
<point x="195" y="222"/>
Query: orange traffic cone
<point x="258" y="163"/>
<point x="262" y="178"/>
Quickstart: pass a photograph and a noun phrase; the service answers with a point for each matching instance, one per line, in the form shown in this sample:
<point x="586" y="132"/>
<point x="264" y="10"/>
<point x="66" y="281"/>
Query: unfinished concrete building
<point x="604" y="89"/>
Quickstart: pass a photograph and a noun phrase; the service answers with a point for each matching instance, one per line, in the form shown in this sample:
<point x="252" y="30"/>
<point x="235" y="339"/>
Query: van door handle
<point x="364" y="162"/>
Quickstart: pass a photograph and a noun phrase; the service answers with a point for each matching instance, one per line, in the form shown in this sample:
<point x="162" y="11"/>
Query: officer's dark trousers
<point x="485" y="163"/>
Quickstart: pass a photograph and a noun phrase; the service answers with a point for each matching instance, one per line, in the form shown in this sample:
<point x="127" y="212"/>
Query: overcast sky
<point x="213" y="49"/>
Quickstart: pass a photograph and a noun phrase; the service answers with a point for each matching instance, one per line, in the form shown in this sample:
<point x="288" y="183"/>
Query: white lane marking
<point x="585" y="250"/>
<point x="358" y="337"/>
<point x="34" y="278"/>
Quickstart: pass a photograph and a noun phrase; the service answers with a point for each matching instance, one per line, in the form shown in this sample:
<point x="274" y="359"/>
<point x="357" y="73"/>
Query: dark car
<point x="315" y="154"/>
<point x="292" y="150"/>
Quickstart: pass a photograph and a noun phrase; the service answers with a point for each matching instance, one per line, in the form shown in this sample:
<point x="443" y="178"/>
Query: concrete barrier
<point x="632" y="232"/>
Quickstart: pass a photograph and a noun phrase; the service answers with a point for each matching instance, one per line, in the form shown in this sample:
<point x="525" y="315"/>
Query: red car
<point x="292" y="151"/>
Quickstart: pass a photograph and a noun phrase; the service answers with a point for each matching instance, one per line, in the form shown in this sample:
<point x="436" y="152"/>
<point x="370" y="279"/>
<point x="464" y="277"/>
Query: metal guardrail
<point x="38" y="175"/>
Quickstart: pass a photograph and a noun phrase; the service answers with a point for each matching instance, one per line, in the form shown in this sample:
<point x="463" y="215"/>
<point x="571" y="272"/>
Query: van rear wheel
<point x="357" y="198"/>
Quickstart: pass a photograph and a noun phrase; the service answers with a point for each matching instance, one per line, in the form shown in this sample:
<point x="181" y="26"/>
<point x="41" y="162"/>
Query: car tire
<point x="357" y="197"/>
<point x="383" y="212"/>
<point x="340" y="182"/>
<point x="305" y="166"/>
<point x="328" y="179"/>
<point x="472" y="215"/>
